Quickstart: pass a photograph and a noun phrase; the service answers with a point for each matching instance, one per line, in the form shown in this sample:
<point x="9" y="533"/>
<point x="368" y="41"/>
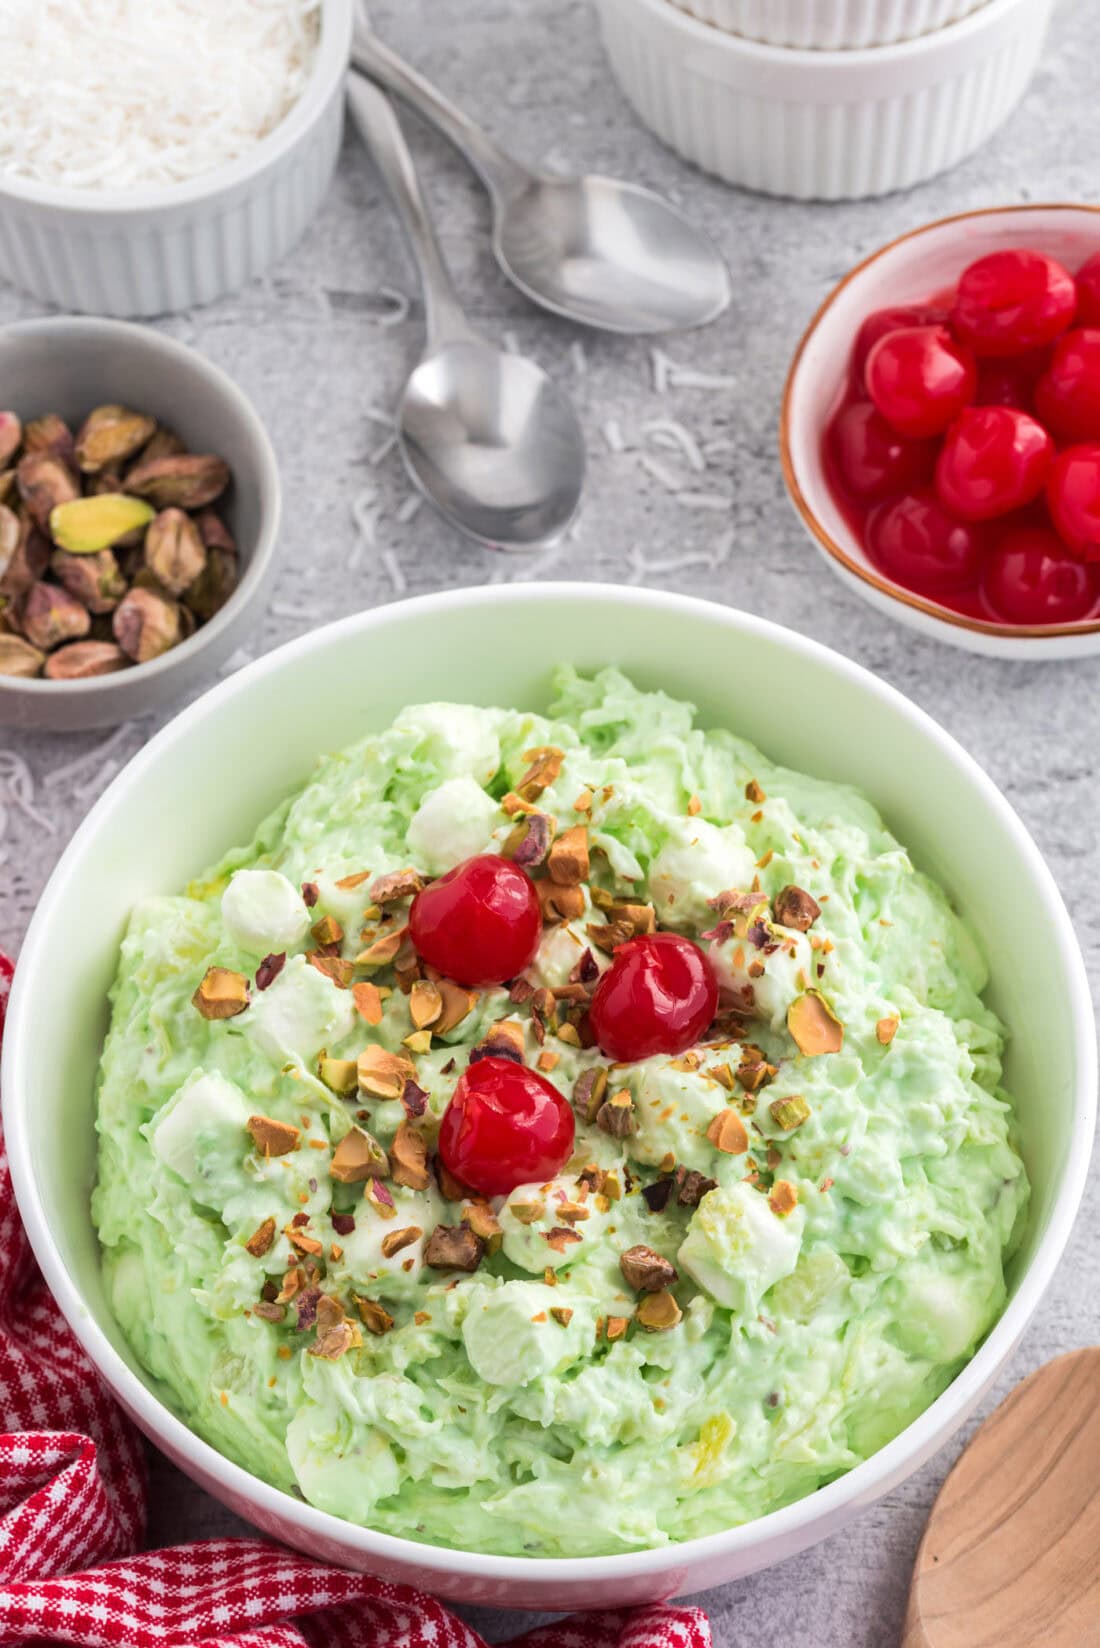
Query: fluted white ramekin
<point x="829" y="25"/>
<point x="149" y="250"/>
<point x="821" y="125"/>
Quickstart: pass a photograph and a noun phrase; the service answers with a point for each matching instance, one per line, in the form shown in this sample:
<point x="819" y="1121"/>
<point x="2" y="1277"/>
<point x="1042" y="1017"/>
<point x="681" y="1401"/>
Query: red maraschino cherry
<point x="505" y="1126"/>
<point x="1012" y="301"/>
<point x="480" y="923"/>
<point x="658" y="996"/>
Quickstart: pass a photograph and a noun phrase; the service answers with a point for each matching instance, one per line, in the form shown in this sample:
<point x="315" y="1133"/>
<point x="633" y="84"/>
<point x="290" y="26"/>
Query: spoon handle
<point x="378" y="126"/>
<point x="501" y="175"/>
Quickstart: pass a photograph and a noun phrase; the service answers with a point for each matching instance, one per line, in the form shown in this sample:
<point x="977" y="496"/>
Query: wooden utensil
<point x="1011" y="1554"/>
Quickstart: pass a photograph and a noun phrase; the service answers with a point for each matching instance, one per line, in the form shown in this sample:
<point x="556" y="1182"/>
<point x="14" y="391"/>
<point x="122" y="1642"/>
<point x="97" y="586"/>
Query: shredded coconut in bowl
<point x="115" y="94"/>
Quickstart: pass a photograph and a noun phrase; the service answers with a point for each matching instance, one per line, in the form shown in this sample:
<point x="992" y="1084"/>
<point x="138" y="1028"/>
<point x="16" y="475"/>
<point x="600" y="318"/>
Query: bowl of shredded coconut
<point x="156" y="156"/>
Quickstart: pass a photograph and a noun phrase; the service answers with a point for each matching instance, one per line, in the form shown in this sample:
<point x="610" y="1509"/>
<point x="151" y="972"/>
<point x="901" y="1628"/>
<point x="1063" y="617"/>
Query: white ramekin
<point x="910" y="270"/>
<point x="829" y="25"/>
<point x="821" y="125"/>
<point x="225" y="761"/>
<point x="150" y="250"/>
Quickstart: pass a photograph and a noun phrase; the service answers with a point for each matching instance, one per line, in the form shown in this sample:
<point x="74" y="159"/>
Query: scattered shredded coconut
<point x="298" y="612"/>
<point x="17" y="790"/>
<point x="375" y="414"/>
<point x="668" y="375"/>
<point x="400" y="310"/>
<point x="410" y="506"/>
<point x="720" y="447"/>
<point x="381" y="451"/>
<point x="76" y="772"/>
<point x="396" y="574"/>
<point x="613" y="435"/>
<point x="578" y="358"/>
<point x="704" y="500"/>
<point x="113" y="94"/>
<point x="365" y="511"/>
<point x="672" y="435"/>
<point x="660" y="472"/>
<point x="511" y="343"/>
<point x="642" y="568"/>
<point x="236" y="660"/>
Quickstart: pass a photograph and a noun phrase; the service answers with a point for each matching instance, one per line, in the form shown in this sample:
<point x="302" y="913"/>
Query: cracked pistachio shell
<point x="84" y="526"/>
<point x="49" y="615"/>
<point x="11" y="437"/>
<point x="174" y="550"/>
<point x="165" y="443"/>
<point x="28" y="562"/>
<point x="187" y="480"/>
<point x="95" y="580"/>
<point x="146" y="624"/>
<point x="18" y="657"/>
<point x="110" y="435"/>
<point x="45" y="481"/>
<point x="214" y="585"/>
<point x="49" y="434"/>
<point x="80" y="660"/>
<point x="10" y="534"/>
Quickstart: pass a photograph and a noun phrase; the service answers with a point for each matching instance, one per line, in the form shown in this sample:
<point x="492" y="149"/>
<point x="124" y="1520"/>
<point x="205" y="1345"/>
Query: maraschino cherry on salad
<point x="505" y="1124"/>
<point x="965" y="452"/>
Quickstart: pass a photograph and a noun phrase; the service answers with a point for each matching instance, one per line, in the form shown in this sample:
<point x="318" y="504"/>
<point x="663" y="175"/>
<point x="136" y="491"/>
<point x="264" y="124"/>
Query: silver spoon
<point x="606" y="253"/>
<point x="486" y="436"/>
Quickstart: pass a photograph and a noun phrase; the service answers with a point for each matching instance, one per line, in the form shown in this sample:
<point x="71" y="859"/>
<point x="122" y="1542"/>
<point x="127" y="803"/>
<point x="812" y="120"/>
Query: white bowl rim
<point x="936" y="616"/>
<point x="130" y="334"/>
<point x="944" y="40"/>
<point x="862" y="1483"/>
<point x="329" y="63"/>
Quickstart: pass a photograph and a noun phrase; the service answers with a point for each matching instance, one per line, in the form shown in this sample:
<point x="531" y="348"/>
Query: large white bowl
<point x="204" y="781"/>
<point x="913" y="269"/>
<point x="154" y="248"/>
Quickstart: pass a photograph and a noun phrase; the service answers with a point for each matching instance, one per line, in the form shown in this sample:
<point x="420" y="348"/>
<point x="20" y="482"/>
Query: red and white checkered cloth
<point x="72" y="1513"/>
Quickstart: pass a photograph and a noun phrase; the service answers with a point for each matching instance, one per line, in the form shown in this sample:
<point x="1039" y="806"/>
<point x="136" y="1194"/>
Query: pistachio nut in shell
<point x="145" y="625"/>
<point x="187" y="480"/>
<point x="84" y="526"/>
<point x="49" y="434"/>
<point x="95" y="580"/>
<point x="214" y="585"/>
<point x="45" y="481"/>
<point x="165" y="443"/>
<point x="80" y="660"/>
<point x="214" y="532"/>
<point x="18" y="657"/>
<point x="49" y="615"/>
<point x="28" y="563"/>
<point x="813" y="1025"/>
<point x="110" y="435"/>
<point x="10" y="532"/>
<point x="174" y="550"/>
<point x="11" y="437"/>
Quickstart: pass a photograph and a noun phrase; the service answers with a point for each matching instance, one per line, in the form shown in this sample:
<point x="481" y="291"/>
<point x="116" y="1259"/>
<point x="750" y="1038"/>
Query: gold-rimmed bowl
<point x="908" y="270"/>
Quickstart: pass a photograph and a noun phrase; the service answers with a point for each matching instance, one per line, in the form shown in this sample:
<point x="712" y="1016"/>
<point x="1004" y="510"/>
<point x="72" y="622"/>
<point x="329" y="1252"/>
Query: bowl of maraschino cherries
<point x="941" y="430"/>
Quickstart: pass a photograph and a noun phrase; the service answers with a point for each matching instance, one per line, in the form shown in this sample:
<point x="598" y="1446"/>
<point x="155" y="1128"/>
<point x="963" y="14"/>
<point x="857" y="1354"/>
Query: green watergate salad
<point x="751" y="1261"/>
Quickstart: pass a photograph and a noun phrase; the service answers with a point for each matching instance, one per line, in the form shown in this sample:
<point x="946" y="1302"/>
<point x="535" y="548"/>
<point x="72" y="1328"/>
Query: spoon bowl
<point x="609" y="254"/>
<point x="604" y="253"/>
<point x="493" y="442"/>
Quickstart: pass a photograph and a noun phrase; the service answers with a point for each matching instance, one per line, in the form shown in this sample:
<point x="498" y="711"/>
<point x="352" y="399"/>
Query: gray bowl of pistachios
<point x="139" y="513"/>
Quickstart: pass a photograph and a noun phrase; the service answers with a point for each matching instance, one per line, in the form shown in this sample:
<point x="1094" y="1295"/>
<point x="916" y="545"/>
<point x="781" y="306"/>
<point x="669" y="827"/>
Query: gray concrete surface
<point x="311" y="345"/>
